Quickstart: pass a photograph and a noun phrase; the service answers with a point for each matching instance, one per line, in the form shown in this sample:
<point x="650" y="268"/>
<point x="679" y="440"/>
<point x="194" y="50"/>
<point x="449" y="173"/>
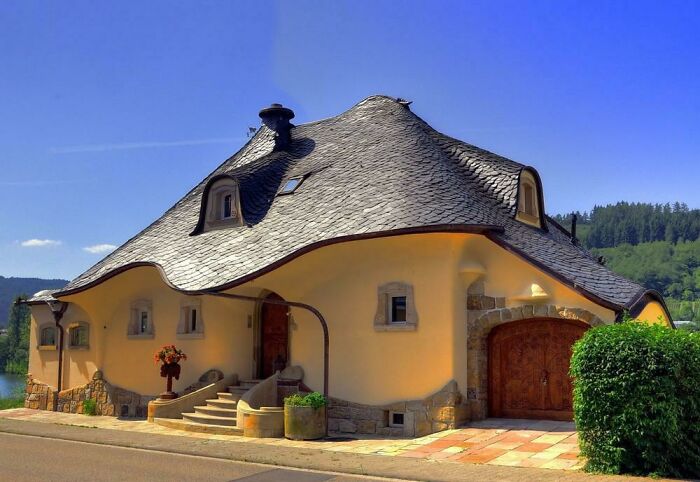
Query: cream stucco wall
<point x="341" y="280"/>
<point x="654" y="313"/>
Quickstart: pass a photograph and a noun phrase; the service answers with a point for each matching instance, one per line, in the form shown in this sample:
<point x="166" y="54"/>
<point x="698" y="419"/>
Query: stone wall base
<point x="110" y="400"/>
<point x="39" y="395"/>
<point x="441" y="411"/>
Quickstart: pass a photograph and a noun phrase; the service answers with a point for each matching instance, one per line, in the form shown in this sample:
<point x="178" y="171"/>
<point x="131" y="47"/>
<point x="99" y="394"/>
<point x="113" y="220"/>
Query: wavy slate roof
<point x="372" y="170"/>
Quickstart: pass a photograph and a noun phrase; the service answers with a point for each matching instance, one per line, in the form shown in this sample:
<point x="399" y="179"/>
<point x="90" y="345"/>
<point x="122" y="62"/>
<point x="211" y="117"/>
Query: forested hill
<point x="634" y="223"/>
<point x="653" y="244"/>
<point x="10" y="288"/>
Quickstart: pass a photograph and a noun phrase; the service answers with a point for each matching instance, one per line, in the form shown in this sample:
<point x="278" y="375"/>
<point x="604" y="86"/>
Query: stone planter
<point x="304" y="423"/>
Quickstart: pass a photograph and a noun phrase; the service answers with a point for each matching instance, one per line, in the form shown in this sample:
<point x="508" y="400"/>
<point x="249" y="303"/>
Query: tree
<point x="17" y="340"/>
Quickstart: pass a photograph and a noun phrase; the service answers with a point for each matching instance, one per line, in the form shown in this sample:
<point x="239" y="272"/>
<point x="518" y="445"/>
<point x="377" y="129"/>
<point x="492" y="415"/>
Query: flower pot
<point x="169" y="370"/>
<point x="304" y="423"/>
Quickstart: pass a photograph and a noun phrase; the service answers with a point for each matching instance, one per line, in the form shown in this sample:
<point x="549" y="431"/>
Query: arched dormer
<point x="221" y="205"/>
<point x="530" y="200"/>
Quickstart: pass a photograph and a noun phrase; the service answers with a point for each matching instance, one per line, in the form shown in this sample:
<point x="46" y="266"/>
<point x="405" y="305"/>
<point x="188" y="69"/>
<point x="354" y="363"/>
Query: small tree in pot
<point x="170" y="358"/>
<point x="305" y="416"/>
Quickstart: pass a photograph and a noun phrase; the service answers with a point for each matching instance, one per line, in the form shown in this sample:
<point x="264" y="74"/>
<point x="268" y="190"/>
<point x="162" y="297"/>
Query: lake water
<point x="9" y="383"/>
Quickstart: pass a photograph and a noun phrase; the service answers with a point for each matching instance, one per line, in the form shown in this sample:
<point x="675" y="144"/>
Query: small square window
<point x="291" y="185"/>
<point x="398" y="309"/>
<point x="396" y="419"/>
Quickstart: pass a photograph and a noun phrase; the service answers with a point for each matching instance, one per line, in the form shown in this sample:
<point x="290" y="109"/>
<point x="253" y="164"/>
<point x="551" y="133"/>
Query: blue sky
<point x="112" y="111"/>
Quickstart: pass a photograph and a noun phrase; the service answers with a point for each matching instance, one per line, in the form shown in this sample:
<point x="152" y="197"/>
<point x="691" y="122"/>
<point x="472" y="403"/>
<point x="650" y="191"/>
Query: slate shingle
<point x="373" y="168"/>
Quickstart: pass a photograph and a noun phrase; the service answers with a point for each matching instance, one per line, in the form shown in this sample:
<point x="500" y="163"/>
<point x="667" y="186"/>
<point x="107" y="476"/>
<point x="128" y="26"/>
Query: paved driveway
<point x="504" y="442"/>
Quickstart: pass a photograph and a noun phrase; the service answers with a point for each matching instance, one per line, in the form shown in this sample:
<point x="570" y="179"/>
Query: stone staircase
<point x="218" y="416"/>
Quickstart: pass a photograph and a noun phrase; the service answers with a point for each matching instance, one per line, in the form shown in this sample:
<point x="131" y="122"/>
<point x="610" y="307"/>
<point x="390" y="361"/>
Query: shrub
<point x="90" y="406"/>
<point x="313" y="399"/>
<point x="637" y="399"/>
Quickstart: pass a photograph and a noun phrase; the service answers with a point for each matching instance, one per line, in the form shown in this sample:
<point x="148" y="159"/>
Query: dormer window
<point x="227" y="208"/>
<point x="528" y="199"/>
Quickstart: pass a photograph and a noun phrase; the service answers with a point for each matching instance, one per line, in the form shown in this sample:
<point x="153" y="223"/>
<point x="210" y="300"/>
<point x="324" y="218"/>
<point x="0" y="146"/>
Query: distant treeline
<point x="11" y="287"/>
<point x="14" y="347"/>
<point x="657" y="245"/>
<point x="635" y="223"/>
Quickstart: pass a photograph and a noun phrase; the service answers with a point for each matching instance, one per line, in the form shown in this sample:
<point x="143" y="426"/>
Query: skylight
<point x="291" y="185"/>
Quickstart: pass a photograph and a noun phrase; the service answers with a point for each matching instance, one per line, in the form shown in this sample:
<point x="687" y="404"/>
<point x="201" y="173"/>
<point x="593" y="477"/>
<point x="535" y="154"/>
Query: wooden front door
<point x="529" y="369"/>
<point x="274" y="330"/>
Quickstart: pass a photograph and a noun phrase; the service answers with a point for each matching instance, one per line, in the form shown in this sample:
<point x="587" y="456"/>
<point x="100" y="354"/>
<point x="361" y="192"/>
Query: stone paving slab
<point x="513" y="443"/>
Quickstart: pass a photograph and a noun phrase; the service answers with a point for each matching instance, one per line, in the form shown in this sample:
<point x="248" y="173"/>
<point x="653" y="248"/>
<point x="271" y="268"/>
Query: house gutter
<point x="294" y="304"/>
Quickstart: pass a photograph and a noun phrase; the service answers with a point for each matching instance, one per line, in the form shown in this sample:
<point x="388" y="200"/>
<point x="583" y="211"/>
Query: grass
<point x="15" y="400"/>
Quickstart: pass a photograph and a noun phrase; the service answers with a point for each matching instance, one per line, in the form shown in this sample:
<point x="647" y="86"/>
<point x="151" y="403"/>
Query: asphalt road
<point x="29" y="458"/>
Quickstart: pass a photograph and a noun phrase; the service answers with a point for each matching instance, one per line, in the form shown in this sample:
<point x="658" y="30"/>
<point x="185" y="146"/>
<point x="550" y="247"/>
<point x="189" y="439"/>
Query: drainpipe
<point x="294" y="304"/>
<point x="58" y="308"/>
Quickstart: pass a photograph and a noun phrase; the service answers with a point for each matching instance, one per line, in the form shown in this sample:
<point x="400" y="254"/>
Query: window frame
<point x="134" y="329"/>
<point x="286" y="192"/>
<point x="184" y="326"/>
<point x="40" y="336"/>
<point x="529" y="208"/>
<point x="215" y="214"/>
<point x="78" y="325"/>
<point x="383" y="319"/>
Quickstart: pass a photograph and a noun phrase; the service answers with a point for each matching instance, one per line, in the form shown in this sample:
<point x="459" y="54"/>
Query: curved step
<point x="222" y="403"/>
<point x="209" y="419"/>
<point x="227" y="396"/>
<point x="188" y="426"/>
<point x="218" y="411"/>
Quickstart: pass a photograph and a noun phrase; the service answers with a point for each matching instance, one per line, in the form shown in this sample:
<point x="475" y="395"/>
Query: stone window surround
<point x="70" y="328"/>
<point x="218" y="191"/>
<point x="133" y="329"/>
<point x="183" y="326"/>
<point x="41" y="328"/>
<point x="382" y="318"/>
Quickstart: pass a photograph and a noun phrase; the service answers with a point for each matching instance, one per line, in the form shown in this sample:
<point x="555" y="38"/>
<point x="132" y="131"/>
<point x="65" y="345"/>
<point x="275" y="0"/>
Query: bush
<point x="313" y="399"/>
<point x="637" y="399"/>
<point x="90" y="407"/>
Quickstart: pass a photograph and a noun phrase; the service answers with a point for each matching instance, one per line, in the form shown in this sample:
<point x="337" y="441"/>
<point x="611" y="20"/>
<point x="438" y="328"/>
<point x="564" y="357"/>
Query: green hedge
<point x="637" y="399"/>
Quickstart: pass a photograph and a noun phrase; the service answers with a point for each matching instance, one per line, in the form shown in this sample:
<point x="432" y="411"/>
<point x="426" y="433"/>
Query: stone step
<point x="186" y="425"/>
<point x="209" y="419"/>
<point x="217" y="411"/>
<point x="227" y="396"/>
<point x="248" y="383"/>
<point x="222" y="403"/>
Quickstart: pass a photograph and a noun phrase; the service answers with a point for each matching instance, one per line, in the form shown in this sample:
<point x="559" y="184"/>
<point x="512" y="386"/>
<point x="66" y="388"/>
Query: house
<point x="447" y="292"/>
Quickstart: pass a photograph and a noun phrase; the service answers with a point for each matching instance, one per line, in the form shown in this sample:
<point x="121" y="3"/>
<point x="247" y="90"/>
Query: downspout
<point x="57" y="316"/>
<point x="294" y="304"/>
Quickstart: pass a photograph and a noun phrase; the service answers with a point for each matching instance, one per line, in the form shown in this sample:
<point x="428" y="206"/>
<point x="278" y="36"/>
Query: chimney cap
<point x="277" y="110"/>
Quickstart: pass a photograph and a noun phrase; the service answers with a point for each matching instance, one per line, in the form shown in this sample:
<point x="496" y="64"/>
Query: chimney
<point x="574" y="218"/>
<point x="276" y="117"/>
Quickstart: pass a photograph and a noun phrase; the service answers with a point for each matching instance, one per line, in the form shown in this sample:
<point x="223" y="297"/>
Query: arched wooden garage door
<point x="529" y="366"/>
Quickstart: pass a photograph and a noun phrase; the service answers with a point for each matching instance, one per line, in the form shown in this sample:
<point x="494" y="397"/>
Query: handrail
<point x="294" y="304"/>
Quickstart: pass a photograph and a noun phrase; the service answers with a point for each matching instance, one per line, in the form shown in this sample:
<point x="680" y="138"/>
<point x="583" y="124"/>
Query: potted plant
<point x="305" y="416"/>
<point x="170" y="358"/>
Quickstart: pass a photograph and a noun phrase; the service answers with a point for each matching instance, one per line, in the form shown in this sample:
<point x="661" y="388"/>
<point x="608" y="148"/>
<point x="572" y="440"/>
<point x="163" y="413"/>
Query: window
<point x="291" y="185"/>
<point x="191" y="324"/>
<point x="223" y="205"/>
<point x="396" y="419"/>
<point x="141" y="323"/>
<point x="529" y="207"/>
<point x="528" y="199"/>
<point x="398" y="309"/>
<point x="47" y="337"/>
<point x="395" y="308"/>
<point x="227" y="208"/>
<point x="78" y="335"/>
